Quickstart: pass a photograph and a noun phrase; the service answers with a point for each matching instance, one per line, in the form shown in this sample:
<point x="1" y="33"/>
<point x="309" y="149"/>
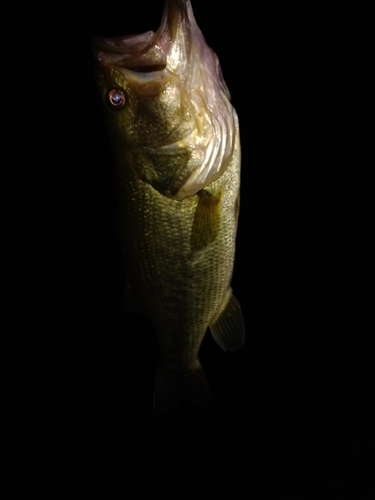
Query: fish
<point x="177" y="157"/>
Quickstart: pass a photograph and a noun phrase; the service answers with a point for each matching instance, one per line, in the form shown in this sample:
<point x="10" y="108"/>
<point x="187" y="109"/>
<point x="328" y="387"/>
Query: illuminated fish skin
<point x="176" y="146"/>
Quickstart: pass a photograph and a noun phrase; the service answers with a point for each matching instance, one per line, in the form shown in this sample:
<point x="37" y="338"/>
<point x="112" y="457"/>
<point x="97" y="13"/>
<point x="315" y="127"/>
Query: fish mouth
<point x="154" y="56"/>
<point x="148" y="52"/>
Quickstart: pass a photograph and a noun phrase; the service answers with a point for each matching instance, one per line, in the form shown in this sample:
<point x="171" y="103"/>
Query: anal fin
<point x="228" y="329"/>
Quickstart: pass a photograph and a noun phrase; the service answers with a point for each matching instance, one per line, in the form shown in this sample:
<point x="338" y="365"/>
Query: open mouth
<point x="152" y="68"/>
<point x="147" y="52"/>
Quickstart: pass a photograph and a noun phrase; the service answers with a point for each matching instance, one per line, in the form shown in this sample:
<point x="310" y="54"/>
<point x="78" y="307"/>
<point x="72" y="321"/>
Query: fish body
<point x="176" y="147"/>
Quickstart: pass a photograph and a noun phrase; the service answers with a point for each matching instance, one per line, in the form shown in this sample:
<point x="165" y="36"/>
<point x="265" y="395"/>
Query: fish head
<point x="167" y="105"/>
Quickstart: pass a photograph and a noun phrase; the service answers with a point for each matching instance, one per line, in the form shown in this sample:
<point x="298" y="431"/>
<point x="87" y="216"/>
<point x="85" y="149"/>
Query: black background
<point x="294" y="403"/>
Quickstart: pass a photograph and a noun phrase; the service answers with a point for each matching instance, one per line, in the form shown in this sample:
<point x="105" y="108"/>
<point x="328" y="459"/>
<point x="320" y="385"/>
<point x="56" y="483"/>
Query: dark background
<point x="294" y="403"/>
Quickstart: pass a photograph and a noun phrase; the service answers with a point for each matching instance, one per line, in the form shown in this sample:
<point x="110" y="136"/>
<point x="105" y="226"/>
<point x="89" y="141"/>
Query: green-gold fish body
<point x="176" y="146"/>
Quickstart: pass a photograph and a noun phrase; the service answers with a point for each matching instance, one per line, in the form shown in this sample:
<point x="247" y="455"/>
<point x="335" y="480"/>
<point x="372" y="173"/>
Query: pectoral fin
<point x="228" y="330"/>
<point x="206" y="220"/>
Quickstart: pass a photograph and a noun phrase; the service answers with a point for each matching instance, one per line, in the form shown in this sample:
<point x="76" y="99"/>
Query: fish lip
<point x="138" y="46"/>
<point x="122" y="44"/>
<point x="174" y="15"/>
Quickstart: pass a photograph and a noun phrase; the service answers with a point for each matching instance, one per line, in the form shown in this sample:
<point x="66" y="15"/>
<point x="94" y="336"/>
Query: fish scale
<point x="166" y="274"/>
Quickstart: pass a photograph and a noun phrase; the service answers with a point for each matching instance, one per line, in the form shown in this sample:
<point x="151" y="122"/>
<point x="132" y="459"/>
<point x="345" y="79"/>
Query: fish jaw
<point x="177" y="103"/>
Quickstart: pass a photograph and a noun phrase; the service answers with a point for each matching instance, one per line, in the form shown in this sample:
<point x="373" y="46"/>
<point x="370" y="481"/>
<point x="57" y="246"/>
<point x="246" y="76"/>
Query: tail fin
<point x="172" y="388"/>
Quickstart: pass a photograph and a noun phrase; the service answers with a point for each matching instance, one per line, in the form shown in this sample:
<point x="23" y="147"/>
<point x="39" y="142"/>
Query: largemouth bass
<point x="176" y="147"/>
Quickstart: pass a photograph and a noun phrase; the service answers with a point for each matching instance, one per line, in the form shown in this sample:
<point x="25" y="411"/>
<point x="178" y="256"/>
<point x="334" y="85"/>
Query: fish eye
<point x="116" y="99"/>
